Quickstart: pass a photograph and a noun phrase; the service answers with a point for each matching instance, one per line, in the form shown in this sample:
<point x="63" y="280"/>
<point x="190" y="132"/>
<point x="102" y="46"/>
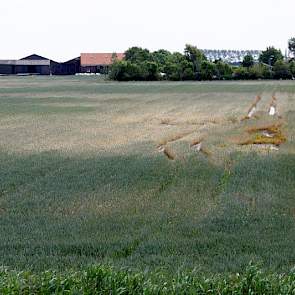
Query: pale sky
<point x="62" y="29"/>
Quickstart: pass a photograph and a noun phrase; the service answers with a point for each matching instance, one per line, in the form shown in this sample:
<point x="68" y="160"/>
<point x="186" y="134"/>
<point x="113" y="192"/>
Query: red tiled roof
<point x="95" y="59"/>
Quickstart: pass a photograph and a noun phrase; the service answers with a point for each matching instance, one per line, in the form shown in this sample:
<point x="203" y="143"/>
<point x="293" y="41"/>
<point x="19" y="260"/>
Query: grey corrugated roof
<point x="44" y="62"/>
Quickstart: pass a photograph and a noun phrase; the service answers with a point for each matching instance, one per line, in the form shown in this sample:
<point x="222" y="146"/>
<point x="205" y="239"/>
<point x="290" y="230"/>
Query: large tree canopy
<point x="137" y="54"/>
<point x="270" y="56"/>
<point x="282" y="70"/>
<point x="195" y="56"/>
<point x="161" y="57"/>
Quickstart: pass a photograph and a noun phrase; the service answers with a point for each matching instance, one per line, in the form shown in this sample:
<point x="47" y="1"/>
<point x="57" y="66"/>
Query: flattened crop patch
<point x="271" y="134"/>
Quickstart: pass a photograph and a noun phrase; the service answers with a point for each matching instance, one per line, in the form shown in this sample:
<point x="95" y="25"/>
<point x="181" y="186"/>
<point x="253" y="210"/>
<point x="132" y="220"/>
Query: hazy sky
<point x="62" y="29"/>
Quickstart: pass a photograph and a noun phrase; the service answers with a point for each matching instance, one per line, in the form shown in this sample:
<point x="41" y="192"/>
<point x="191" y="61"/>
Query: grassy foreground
<point x="104" y="280"/>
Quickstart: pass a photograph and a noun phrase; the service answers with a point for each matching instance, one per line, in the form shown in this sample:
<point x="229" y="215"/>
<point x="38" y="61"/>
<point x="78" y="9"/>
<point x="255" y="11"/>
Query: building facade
<point x="33" y="64"/>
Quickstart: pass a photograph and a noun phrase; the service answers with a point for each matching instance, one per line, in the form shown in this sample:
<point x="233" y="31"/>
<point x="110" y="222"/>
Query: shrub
<point x="241" y="73"/>
<point x="208" y="70"/>
<point x="223" y="71"/>
<point x="281" y="70"/>
<point x="125" y="71"/>
<point x="259" y="71"/>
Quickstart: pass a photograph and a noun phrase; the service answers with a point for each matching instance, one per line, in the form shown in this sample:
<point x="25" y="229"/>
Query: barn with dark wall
<point x="73" y="66"/>
<point x="33" y="64"/>
<point x="70" y="67"/>
<point x="7" y="67"/>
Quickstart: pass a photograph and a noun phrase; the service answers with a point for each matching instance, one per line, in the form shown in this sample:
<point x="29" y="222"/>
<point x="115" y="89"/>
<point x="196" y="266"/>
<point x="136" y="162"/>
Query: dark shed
<point x="33" y="64"/>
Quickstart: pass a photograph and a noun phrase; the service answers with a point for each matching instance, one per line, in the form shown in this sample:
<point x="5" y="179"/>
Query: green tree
<point x="187" y="70"/>
<point x="161" y="57"/>
<point x="195" y="56"/>
<point x="292" y="68"/>
<point x="281" y="70"/>
<point x="208" y="70"/>
<point x="172" y="71"/>
<point x="179" y="68"/>
<point x="248" y="61"/>
<point x="223" y="70"/>
<point x="241" y="73"/>
<point x="291" y="45"/>
<point x="270" y="56"/>
<point x="116" y="70"/>
<point x="150" y="71"/>
<point x="125" y="71"/>
<point x="137" y="66"/>
<point x="137" y="55"/>
<point x="259" y="71"/>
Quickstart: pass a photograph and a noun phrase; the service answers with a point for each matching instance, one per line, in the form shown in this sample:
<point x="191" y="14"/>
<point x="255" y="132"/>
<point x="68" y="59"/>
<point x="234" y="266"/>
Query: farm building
<point x="33" y="64"/>
<point x="38" y="65"/>
<point x="70" y="67"/>
<point x="98" y="62"/>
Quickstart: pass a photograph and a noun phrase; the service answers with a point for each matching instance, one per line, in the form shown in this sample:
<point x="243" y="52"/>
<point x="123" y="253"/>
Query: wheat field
<point x="146" y="175"/>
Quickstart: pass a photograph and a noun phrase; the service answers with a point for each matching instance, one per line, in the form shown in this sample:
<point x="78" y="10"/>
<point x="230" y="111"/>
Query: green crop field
<point x="95" y="172"/>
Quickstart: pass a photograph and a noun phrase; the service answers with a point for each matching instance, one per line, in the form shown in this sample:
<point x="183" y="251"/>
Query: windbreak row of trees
<point x="142" y="65"/>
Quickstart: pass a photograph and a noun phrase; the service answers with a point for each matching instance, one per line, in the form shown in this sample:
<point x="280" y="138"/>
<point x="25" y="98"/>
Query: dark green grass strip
<point x="105" y="280"/>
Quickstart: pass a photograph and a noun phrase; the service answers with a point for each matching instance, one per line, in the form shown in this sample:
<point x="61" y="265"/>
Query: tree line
<point x="140" y="64"/>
